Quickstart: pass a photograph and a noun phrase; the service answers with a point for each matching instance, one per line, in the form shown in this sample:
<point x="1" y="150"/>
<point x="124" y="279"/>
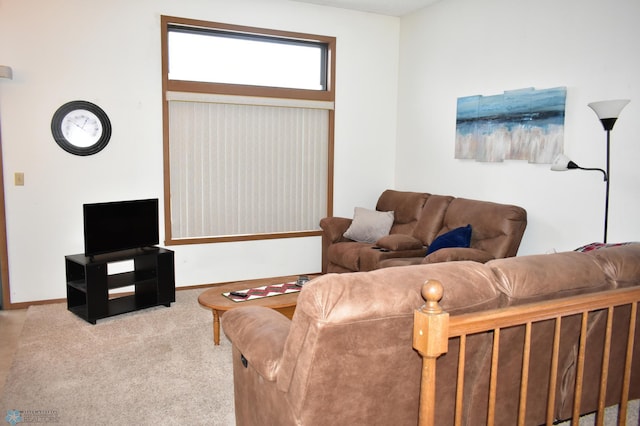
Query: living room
<point x="397" y="81"/>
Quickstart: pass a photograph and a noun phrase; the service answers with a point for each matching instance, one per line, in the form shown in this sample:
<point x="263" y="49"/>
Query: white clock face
<point x="81" y="128"/>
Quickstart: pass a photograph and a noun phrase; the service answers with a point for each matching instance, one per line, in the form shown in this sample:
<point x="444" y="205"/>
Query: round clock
<point x="81" y="128"/>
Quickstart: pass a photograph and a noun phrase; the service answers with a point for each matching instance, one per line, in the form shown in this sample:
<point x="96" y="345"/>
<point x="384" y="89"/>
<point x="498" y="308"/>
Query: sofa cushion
<point x="431" y="217"/>
<point x="406" y="207"/>
<point x="399" y="242"/>
<point x="491" y="222"/>
<point x="459" y="237"/>
<point x="620" y="262"/>
<point x="469" y="287"/>
<point x="549" y="275"/>
<point x="369" y="226"/>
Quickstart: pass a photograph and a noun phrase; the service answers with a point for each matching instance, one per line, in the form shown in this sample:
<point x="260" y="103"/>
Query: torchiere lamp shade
<point x="608" y="111"/>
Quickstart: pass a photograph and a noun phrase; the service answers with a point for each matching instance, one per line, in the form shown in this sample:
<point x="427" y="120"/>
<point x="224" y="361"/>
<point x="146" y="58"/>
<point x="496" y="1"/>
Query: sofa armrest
<point x="334" y="227"/>
<point x="458" y="253"/>
<point x="259" y="333"/>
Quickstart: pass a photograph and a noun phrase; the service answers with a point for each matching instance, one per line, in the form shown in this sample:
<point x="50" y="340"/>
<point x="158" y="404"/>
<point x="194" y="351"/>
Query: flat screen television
<point x="120" y="225"/>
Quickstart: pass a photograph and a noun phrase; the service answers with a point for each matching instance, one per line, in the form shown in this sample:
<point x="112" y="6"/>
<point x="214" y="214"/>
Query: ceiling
<point x="383" y="7"/>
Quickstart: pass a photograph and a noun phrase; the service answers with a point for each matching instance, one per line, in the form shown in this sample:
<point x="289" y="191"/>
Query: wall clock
<point x="81" y="128"/>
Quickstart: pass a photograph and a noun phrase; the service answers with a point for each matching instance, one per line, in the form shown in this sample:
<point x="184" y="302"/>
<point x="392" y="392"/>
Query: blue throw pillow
<point x="459" y="237"/>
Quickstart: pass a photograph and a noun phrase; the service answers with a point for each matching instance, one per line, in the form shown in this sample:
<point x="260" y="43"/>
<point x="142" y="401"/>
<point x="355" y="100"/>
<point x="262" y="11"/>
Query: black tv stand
<point x="88" y="282"/>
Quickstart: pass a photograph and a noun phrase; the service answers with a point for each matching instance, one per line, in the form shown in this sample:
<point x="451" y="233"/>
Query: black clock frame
<point x="58" y="136"/>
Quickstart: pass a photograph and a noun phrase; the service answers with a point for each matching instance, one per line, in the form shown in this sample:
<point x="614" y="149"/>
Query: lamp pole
<point x="608" y="181"/>
<point x="607" y="123"/>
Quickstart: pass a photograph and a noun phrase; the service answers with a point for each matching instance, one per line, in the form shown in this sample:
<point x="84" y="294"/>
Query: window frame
<point x="327" y="95"/>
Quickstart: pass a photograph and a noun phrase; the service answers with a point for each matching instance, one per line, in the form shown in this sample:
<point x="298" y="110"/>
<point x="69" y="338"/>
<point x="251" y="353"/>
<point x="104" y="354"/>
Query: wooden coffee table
<point x="219" y="304"/>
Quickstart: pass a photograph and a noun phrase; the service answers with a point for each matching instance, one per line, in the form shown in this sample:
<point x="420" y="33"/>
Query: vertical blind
<point x="245" y="169"/>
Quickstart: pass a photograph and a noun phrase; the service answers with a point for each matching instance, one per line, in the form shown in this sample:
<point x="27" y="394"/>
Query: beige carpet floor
<point x="153" y="367"/>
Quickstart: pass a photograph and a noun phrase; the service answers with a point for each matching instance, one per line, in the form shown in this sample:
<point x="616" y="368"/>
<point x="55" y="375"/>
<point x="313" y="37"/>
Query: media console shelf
<point x="88" y="282"/>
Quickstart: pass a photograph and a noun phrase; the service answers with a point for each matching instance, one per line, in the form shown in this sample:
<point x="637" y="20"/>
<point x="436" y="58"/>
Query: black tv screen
<point x="120" y="225"/>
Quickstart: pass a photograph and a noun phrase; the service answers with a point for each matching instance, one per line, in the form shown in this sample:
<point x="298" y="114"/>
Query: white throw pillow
<point x="369" y="226"/>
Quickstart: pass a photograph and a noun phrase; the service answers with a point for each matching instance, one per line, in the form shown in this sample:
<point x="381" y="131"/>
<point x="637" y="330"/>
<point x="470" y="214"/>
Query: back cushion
<point x="431" y="218"/>
<point x="497" y="228"/>
<point x="406" y="207"/>
<point x="621" y="263"/>
<point x="547" y="276"/>
<point x="468" y="286"/>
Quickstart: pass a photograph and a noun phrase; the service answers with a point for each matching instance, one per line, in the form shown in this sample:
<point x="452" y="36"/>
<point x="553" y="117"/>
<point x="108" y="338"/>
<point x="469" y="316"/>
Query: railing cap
<point x="432" y="292"/>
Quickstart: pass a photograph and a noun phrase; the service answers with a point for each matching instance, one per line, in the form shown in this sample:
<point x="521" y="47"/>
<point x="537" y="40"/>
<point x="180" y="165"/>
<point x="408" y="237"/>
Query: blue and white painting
<point x="524" y="124"/>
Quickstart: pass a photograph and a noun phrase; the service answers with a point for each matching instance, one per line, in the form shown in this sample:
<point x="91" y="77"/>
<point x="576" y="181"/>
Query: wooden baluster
<point x="626" y="383"/>
<point x="430" y="339"/>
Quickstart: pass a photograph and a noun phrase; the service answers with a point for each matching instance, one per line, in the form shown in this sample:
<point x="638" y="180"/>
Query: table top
<point x="213" y="298"/>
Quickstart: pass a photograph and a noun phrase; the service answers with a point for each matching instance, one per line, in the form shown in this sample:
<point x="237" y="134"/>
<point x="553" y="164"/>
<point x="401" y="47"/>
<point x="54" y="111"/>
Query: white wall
<point x="108" y="52"/>
<point x="468" y="47"/>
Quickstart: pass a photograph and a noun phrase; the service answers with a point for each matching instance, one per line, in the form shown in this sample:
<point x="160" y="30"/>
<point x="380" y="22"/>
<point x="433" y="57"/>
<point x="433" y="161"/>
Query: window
<point x="248" y="131"/>
<point x="245" y="59"/>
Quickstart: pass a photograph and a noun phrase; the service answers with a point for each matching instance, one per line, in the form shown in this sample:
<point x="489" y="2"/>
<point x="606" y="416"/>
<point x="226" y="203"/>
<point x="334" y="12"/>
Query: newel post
<point x="430" y="339"/>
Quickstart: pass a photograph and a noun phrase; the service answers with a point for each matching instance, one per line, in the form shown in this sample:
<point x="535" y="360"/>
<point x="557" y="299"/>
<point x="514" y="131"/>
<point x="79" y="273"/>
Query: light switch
<point x="19" y="179"/>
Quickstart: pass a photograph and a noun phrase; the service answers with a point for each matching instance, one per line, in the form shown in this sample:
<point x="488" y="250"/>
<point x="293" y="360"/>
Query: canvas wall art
<point x="525" y="124"/>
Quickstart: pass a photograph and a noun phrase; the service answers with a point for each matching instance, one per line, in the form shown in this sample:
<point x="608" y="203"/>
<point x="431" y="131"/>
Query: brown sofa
<point x="346" y="357"/>
<point x="418" y="219"/>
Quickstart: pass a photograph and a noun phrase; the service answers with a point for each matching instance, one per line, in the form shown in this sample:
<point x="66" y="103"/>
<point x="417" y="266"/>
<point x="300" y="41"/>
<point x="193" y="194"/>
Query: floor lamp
<point x="608" y="112"/>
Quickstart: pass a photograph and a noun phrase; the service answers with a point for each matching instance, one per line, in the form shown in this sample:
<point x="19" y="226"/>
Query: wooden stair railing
<point x="433" y="327"/>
